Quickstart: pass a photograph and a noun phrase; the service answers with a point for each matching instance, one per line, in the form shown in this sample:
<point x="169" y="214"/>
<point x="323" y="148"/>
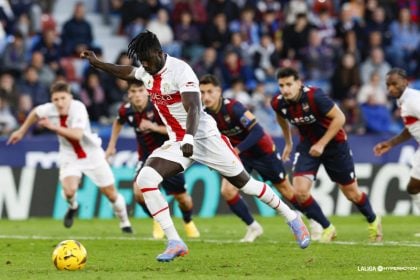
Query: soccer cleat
<point x="253" y="232"/>
<point x="127" y="229"/>
<point x="69" y="217"/>
<point x="328" y="234"/>
<point x="375" y="230"/>
<point x="191" y="230"/>
<point x="316" y="230"/>
<point x="175" y="248"/>
<point x="300" y="232"/>
<point x="158" y="232"/>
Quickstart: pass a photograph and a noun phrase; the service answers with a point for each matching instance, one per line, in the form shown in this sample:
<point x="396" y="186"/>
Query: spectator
<point x="32" y="87"/>
<point x="188" y="34"/>
<point x="375" y="63"/>
<point x="93" y="96"/>
<point x="247" y="27"/>
<point x="7" y="121"/>
<point x="264" y="70"/>
<point x="226" y="7"/>
<point x="8" y="90"/>
<point x="208" y="64"/>
<point x="45" y="73"/>
<point x="14" y="55"/>
<point x="50" y="48"/>
<point x="295" y="36"/>
<point x="216" y="33"/>
<point x="238" y="92"/>
<point x="196" y="9"/>
<point x="234" y="69"/>
<point x="77" y="32"/>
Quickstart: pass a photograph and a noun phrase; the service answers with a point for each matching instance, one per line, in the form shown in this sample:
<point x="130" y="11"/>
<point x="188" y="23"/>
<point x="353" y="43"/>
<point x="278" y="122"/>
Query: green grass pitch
<point x="26" y="247"/>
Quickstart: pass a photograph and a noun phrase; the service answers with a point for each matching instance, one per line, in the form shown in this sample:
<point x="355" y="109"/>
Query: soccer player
<point x="80" y="150"/>
<point x="140" y="114"/>
<point x="408" y="99"/>
<point x="322" y="141"/>
<point x="193" y="136"/>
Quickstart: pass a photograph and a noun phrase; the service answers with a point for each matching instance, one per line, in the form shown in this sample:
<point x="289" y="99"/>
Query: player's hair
<point x="287" y="72"/>
<point x="143" y="46"/>
<point x="400" y="72"/>
<point x="59" y="87"/>
<point x="210" y="79"/>
<point x="136" y="83"/>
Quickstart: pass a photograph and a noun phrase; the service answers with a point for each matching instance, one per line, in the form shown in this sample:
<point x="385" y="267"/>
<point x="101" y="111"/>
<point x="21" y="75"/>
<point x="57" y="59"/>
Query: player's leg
<point x="70" y="184"/>
<point x="339" y="165"/>
<point x="413" y="187"/>
<point x="238" y="206"/>
<point x="175" y="186"/>
<point x="217" y="153"/>
<point x="304" y="171"/>
<point x="103" y="177"/>
<point x="164" y="162"/>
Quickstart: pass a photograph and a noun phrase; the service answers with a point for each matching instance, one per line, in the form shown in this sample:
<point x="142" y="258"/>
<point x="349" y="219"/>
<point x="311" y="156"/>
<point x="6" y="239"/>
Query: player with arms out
<point x="140" y="114"/>
<point x="408" y="99"/>
<point x="193" y="136"/>
<point x="322" y="141"/>
<point x="80" y="150"/>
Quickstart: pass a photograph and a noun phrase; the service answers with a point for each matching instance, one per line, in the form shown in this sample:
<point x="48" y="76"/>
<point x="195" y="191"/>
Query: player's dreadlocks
<point x="143" y="45"/>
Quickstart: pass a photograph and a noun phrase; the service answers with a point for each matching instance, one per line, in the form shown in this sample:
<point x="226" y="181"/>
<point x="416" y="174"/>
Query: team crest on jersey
<point x="166" y="88"/>
<point x="305" y="107"/>
<point x="284" y="111"/>
<point x="130" y="118"/>
<point x="227" y="118"/>
<point x="150" y="114"/>
<point x="149" y="83"/>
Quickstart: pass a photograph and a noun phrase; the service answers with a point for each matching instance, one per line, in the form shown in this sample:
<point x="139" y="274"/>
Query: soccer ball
<point x="69" y="255"/>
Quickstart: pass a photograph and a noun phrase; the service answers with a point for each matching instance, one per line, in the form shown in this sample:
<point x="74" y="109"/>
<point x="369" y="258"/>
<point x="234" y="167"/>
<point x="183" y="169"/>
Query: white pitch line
<point x="226" y="241"/>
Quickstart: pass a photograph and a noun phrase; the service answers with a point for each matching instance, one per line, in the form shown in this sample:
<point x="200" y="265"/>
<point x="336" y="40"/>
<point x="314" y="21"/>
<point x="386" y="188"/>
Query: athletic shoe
<point x="157" y="233"/>
<point x="375" y="230"/>
<point x="175" y="248"/>
<point x="300" y="232"/>
<point x="253" y="232"/>
<point x="316" y="230"/>
<point x="127" y="229"/>
<point x="328" y="234"/>
<point x="191" y="230"/>
<point x="69" y="217"/>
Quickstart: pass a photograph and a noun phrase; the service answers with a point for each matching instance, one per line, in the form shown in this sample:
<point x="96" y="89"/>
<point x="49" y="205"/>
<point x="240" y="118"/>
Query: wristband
<point x="188" y="139"/>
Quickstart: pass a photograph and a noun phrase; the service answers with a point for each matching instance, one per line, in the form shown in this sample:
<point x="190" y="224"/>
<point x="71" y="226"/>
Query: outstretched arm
<point x="18" y="134"/>
<point x="124" y="72"/>
<point x="383" y="147"/>
<point x="191" y="102"/>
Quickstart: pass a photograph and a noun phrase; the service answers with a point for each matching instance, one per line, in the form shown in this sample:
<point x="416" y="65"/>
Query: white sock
<point x="72" y="201"/>
<point x="120" y="211"/>
<point x="159" y="209"/>
<point x="266" y="195"/>
<point x="416" y="200"/>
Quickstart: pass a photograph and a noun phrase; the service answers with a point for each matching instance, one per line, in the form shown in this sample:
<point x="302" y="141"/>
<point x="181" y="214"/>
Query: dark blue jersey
<point x="235" y="121"/>
<point x="308" y="114"/>
<point x="147" y="141"/>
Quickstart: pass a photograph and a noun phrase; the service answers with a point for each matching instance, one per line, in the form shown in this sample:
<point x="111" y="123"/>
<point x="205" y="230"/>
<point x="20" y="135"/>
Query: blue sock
<point x="186" y="215"/>
<point x="312" y="210"/>
<point x="143" y="205"/>
<point x="239" y="207"/>
<point x="365" y="208"/>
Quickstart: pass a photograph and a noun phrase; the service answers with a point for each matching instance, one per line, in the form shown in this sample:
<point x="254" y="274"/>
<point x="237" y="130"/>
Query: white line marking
<point x="128" y="238"/>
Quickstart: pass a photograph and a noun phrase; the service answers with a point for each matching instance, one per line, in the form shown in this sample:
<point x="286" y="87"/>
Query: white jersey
<point x="409" y="102"/>
<point x="165" y="90"/>
<point x="88" y="149"/>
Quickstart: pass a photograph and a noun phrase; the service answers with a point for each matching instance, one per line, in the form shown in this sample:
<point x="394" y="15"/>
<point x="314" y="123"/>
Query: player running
<point x="193" y="136"/>
<point x="408" y="99"/>
<point x="80" y="150"/>
<point x="322" y="141"/>
<point x="140" y="114"/>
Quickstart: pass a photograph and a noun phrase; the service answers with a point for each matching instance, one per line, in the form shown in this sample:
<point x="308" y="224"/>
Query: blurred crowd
<point x="345" y="47"/>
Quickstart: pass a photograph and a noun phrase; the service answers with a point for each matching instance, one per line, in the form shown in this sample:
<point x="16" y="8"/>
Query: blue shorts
<point x="337" y="160"/>
<point x="172" y="185"/>
<point x="270" y="167"/>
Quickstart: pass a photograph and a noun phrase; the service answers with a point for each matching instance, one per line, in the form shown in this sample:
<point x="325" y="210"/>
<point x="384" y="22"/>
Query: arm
<point x="256" y="132"/>
<point x="124" y="72"/>
<point x="116" y="129"/>
<point x="337" y="121"/>
<point x="383" y="147"/>
<point x="287" y="134"/>
<point x="152" y="126"/>
<point x="191" y="102"/>
<point x="18" y="134"/>
<point x="66" y="132"/>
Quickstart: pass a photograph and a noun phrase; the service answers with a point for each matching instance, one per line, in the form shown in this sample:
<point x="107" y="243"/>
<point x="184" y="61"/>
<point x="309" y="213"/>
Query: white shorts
<point x="215" y="151"/>
<point x="415" y="169"/>
<point x="100" y="173"/>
